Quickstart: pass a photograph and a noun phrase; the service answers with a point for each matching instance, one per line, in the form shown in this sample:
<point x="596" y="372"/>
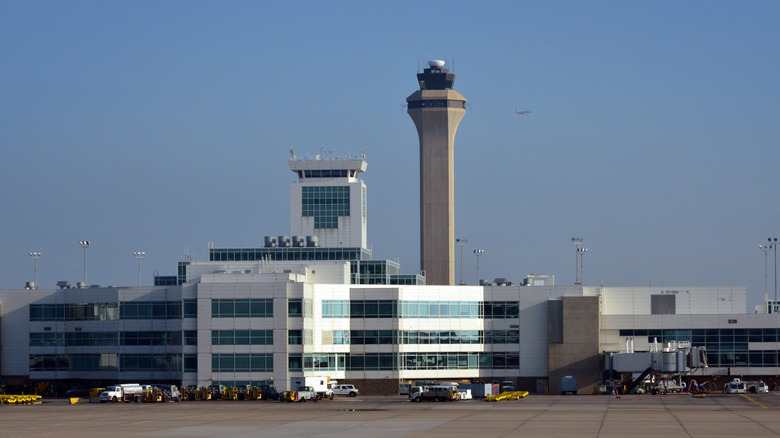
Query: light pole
<point x="581" y="252"/>
<point x="139" y="255"/>
<point x="460" y="243"/>
<point x="478" y="252"/>
<point x="773" y="244"/>
<point x="765" y="249"/>
<point x="85" y="244"/>
<point x="577" y="241"/>
<point x="35" y="256"/>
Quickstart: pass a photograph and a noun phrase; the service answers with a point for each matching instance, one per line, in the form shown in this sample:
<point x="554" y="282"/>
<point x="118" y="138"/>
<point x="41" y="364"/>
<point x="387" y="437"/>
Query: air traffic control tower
<point x="436" y="110"/>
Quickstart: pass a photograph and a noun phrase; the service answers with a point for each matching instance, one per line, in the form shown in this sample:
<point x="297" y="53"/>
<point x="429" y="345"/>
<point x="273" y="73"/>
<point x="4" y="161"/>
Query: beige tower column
<point x="436" y="110"/>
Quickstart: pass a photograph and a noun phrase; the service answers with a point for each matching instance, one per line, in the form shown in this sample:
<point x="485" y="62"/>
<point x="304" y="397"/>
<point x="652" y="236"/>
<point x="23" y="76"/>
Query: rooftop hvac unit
<point x="284" y="241"/>
<point x="312" y="241"/>
<point x="63" y="284"/>
<point x="270" y="241"/>
<point x="298" y="241"/>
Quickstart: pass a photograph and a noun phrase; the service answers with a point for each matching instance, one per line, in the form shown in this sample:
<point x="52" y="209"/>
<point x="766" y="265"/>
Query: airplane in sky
<point x="522" y="113"/>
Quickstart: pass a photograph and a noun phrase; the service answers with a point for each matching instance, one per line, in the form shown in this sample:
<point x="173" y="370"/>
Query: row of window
<point x="326" y="173"/>
<point x="286" y="253"/>
<point x="460" y="361"/>
<point x="461" y="337"/>
<point x="107" y="339"/>
<point x="238" y="363"/>
<point x="437" y="103"/>
<point x="408" y="361"/>
<point x="701" y="336"/>
<point x="106" y="362"/>
<point x="753" y="358"/>
<point x="263" y="308"/>
<point x="106" y="311"/>
<point x="419" y="309"/>
<point x="150" y="310"/>
<point x="242" y="337"/>
<point x="242" y="308"/>
<point x="412" y="337"/>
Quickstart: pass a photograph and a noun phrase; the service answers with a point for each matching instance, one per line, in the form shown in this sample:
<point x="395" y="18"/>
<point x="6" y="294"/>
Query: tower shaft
<point x="437" y="110"/>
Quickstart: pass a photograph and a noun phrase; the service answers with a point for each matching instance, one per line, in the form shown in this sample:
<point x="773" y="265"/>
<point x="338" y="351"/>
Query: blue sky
<point x="162" y="126"/>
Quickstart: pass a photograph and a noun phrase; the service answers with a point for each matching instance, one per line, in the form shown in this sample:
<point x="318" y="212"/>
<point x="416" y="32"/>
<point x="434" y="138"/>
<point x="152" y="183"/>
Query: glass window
<point x="295" y="337"/>
<point x="295" y="307"/>
<point x="190" y="308"/>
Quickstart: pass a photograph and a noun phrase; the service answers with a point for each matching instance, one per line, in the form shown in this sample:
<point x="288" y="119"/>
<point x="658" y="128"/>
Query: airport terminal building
<point x="315" y="303"/>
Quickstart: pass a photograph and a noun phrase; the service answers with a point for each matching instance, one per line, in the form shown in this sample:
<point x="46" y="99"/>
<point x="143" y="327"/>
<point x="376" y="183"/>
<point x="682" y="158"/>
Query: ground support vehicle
<point x="170" y="392"/>
<point x="249" y="393"/>
<point x="509" y="395"/>
<point x="757" y="386"/>
<point x="320" y="385"/>
<point x="437" y="393"/>
<point x="345" y="389"/>
<point x="464" y="394"/>
<point x="269" y="392"/>
<point x="230" y="393"/>
<point x="569" y="385"/>
<point x="301" y="395"/>
<point x="10" y="399"/>
<point x="125" y="392"/>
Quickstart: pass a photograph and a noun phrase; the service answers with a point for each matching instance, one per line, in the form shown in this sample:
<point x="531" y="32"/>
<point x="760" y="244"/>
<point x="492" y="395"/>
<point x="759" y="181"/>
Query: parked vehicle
<point x="569" y="385"/>
<point x="348" y="390"/>
<point x="77" y="391"/>
<point x="439" y="393"/>
<point x="302" y="394"/>
<point x="318" y="384"/>
<point x="125" y="392"/>
<point x="170" y="392"/>
<point x="269" y="392"/>
<point x="759" y="386"/>
<point x="507" y="386"/>
<point x="415" y="393"/>
<point x="464" y="394"/>
<point x="736" y="386"/>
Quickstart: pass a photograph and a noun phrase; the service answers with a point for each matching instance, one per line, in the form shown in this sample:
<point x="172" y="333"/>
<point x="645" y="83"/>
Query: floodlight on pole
<point x="460" y="243"/>
<point x="765" y="249"/>
<point x="85" y="244"/>
<point x="581" y="252"/>
<point x="139" y="255"/>
<point x="577" y="241"/>
<point x="773" y="244"/>
<point x="35" y="256"/>
<point x="478" y="252"/>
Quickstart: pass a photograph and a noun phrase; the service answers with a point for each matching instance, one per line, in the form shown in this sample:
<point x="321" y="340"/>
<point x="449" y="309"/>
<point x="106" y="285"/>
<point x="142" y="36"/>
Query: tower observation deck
<point x="437" y="110"/>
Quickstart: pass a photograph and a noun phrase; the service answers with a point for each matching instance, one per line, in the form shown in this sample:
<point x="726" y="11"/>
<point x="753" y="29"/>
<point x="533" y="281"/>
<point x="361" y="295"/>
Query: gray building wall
<point x="578" y="352"/>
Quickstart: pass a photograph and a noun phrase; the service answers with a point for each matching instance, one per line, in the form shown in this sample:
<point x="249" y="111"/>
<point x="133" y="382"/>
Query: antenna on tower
<point x="418" y="65"/>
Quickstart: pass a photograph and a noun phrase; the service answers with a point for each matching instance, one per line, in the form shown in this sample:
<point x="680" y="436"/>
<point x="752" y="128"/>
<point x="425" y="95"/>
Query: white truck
<point x="125" y="392"/>
<point x="301" y="394"/>
<point x="319" y="385"/>
<point x="345" y="389"/>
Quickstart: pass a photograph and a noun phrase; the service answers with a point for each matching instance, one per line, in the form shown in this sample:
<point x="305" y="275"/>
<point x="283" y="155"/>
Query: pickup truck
<point x="348" y="390"/>
<point x="301" y="395"/>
